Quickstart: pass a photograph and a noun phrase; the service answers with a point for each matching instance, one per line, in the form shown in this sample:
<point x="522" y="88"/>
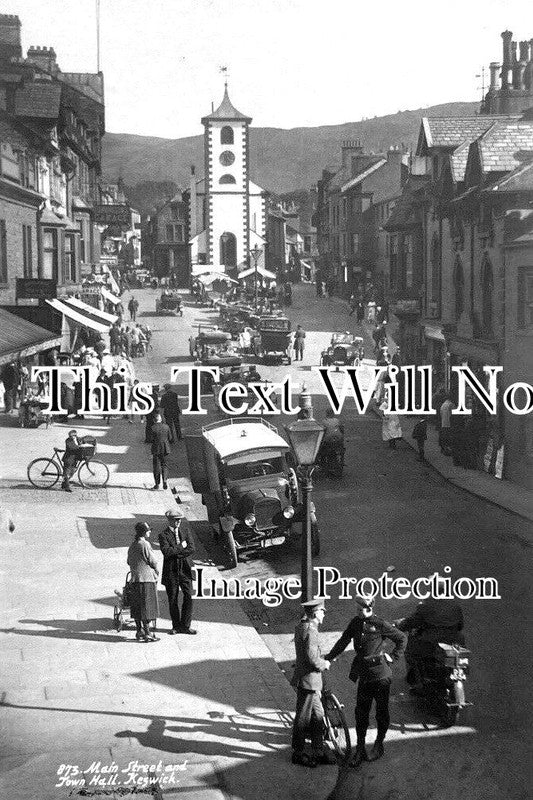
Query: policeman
<point x="370" y="668"/>
<point x="307" y="678"/>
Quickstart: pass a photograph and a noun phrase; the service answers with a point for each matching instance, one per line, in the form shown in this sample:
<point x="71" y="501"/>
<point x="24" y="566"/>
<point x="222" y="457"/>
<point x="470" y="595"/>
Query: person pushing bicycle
<point x="308" y="680"/>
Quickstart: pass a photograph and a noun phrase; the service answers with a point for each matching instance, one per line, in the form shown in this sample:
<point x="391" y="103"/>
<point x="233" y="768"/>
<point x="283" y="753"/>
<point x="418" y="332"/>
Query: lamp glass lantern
<point x="305" y="437"/>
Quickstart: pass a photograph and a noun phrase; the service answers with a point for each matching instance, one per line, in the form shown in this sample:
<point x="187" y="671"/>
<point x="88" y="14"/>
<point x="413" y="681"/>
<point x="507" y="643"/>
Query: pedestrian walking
<point x="10" y="379"/>
<point x="371" y="672"/>
<point x="177" y="545"/>
<point x="360" y="312"/>
<point x="391" y="430"/>
<point x="420" y="434"/>
<point x="299" y="343"/>
<point x="133" y="307"/>
<point x="171" y="411"/>
<point x="144" y="607"/>
<point x="445" y="432"/>
<point x="160" y="450"/>
<point x="353" y="304"/>
<point x="308" y="681"/>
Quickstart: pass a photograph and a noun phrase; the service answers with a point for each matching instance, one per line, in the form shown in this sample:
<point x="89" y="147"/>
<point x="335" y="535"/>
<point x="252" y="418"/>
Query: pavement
<point x="86" y="709"/>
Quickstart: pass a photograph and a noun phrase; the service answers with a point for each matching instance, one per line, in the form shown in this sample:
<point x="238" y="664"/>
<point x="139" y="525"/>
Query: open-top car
<point x="239" y="467"/>
<point x="345" y="349"/>
<point x="210" y="342"/>
<point x="169" y="303"/>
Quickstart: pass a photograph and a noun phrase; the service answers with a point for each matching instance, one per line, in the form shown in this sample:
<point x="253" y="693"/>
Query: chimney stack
<point x="350" y="147"/>
<point x="10" y="46"/>
<point x="494" y="70"/>
<point x="45" y="58"/>
<point x="507" y="61"/>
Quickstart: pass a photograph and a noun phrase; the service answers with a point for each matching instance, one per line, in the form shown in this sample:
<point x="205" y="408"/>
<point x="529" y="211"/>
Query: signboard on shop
<point x="112" y="214"/>
<point x="36" y="288"/>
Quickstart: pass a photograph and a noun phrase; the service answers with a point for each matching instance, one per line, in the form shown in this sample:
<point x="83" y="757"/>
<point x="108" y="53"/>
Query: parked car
<point x="345" y="349"/>
<point x="210" y="342"/>
<point x="251" y="494"/>
<point x="169" y="303"/>
<point x="275" y="339"/>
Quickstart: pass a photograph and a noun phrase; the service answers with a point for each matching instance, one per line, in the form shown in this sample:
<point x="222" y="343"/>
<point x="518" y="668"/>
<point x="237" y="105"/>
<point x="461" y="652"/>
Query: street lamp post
<point x="305" y="437"/>
<point x="255" y="253"/>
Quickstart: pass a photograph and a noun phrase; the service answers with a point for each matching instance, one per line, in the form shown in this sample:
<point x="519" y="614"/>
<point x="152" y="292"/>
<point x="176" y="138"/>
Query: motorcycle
<point x="442" y="678"/>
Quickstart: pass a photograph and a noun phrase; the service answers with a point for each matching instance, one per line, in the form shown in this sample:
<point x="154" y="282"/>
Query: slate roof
<point x="403" y="215"/>
<point x="226" y="110"/>
<point x="506" y="145"/>
<point x="374" y="164"/>
<point x="38" y="100"/>
<point x="450" y="132"/>
<point x="520" y="180"/>
<point x="459" y="161"/>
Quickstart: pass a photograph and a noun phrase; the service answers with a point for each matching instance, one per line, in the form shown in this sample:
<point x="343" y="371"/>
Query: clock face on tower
<point x="227" y="158"/>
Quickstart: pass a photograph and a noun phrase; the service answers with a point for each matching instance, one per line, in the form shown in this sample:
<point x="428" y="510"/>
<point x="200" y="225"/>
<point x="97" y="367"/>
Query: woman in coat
<point x="391" y="430"/>
<point x="144" y="575"/>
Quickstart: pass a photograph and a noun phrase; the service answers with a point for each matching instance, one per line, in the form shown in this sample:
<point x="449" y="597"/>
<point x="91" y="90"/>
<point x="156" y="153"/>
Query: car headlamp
<point x="288" y="512"/>
<point x="249" y="520"/>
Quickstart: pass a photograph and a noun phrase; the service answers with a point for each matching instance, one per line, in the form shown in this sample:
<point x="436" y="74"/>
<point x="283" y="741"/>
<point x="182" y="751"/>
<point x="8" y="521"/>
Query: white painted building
<point x="227" y="210"/>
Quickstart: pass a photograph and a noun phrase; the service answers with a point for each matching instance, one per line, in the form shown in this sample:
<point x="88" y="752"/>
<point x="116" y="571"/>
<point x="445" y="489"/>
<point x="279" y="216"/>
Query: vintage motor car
<point x="345" y="349"/>
<point x="274" y="342"/>
<point x="239" y="467"/>
<point x="169" y="303"/>
<point x="209" y="342"/>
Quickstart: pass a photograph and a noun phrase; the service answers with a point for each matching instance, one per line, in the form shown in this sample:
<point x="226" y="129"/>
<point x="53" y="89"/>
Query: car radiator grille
<point x="265" y="510"/>
<point x="339" y="354"/>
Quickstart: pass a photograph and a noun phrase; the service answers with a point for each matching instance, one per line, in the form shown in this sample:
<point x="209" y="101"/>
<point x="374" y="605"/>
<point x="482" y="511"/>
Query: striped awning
<point x="102" y="316"/>
<point x="78" y="316"/>
<point x="20" y="338"/>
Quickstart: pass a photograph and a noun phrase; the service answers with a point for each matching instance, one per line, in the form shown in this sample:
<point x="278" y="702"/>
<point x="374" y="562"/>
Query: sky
<point x="291" y="63"/>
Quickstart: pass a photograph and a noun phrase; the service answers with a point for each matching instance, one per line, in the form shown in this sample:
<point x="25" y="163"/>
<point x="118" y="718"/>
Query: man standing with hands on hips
<point x="371" y="671"/>
<point x="177" y="546"/>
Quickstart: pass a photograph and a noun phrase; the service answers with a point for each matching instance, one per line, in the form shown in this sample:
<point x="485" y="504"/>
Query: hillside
<point x="281" y="160"/>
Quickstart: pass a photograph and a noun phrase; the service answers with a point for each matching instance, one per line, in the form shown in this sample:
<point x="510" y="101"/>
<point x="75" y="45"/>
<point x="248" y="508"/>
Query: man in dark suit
<point x="170" y="408"/>
<point x="177" y="546"/>
<point x="73" y="455"/>
<point x="307" y="678"/>
<point x="160" y="450"/>
<point x="371" y="670"/>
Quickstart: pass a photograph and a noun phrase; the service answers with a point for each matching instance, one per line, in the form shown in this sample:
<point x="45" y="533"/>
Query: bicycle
<point x="337" y="730"/>
<point x="44" y="473"/>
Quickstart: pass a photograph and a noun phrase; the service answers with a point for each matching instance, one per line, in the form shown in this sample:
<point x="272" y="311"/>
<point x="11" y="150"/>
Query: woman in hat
<point x="144" y="573"/>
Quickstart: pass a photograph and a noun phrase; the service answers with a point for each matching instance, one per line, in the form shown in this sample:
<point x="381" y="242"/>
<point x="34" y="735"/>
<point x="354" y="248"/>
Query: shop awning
<point x="20" y="338"/>
<point x="103" y="316"/>
<point x="265" y="273"/>
<point x="78" y="316"/>
<point x="110" y="296"/>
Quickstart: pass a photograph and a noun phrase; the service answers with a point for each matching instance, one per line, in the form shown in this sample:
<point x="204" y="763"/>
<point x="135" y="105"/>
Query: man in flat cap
<point x="307" y="678"/>
<point x="177" y="545"/>
<point x="371" y="670"/>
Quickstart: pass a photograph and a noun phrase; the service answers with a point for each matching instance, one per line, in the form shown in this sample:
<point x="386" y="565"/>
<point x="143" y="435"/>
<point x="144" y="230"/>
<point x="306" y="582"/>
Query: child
<point x="420" y="433"/>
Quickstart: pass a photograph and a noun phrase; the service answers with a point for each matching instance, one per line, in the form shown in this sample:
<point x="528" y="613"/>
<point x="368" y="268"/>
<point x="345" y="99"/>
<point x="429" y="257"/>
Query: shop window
<point x="3" y="251"/>
<point x="487" y="292"/>
<point x="227" y="179"/>
<point x="525" y="298"/>
<point x="27" y="255"/>
<point x="228" y="249"/>
<point x="50" y="254"/>
<point x="459" y="288"/>
<point x="226" y="135"/>
<point x="70" y="257"/>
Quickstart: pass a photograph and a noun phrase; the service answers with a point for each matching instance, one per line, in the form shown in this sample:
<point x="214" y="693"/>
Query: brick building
<point x="166" y="240"/>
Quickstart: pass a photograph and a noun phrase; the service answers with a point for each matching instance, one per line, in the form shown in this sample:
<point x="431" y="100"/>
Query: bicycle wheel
<point x="337" y="729"/>
<point x="43" y="473"/>
<point x="93" y="474"/>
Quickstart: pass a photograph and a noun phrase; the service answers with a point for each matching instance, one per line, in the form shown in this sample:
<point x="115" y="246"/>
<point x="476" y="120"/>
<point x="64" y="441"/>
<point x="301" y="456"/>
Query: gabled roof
<point x="459" y="160"/>
<point x="450" y="132"/>
<point x="403" y="216"/>
<point x="374" y="165"/>
<point x="226" y="110"/>
<point x="506" y="145"/>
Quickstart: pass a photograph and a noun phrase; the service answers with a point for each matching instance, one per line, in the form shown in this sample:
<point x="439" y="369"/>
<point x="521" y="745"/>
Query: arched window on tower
<point x="228" y="249"/>
<point x="227" y="178"/>
<point x="226" y="135"/>
<point x="487" y="292"/>
<point x="459" y="287"/>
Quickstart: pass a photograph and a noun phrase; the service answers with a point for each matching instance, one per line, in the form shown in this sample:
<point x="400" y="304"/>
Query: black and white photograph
<point x="266" y="400"/>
